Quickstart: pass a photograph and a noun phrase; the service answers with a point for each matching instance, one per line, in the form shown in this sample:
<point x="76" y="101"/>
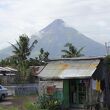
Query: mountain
<point x="53" y="38"/>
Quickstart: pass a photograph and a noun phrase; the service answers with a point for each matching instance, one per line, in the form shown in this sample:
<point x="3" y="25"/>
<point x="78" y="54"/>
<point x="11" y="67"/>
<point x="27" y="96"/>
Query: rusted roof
<point x="66" y="69"/>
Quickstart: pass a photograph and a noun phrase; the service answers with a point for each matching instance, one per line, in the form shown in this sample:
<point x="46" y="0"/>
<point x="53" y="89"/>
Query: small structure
<point x="82" y="80"/>
<point x="7" y="75"/>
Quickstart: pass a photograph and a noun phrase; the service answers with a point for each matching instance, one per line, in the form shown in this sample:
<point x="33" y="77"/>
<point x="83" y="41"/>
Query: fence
<point x="23" y="90"/>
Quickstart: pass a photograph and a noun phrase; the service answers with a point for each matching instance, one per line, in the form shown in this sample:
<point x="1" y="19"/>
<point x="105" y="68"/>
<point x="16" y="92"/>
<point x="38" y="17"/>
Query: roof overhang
<point x="69" y="68"/>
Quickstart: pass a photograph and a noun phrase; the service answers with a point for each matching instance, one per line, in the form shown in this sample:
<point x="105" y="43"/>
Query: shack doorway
<point x="78" y="92"/>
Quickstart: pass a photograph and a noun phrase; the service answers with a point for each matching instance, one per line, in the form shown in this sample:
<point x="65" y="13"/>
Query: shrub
<point x="49" y="102"/>
<point x="32" y="106"/>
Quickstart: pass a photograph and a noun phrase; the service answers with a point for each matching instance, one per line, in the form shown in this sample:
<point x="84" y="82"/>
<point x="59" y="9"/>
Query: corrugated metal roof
<point x="11" y="69"/>
<point x="4" y="69"/>
<point x="69" y="69"/>
<point x="8" y="69"/>
<point x="81" y="58"/>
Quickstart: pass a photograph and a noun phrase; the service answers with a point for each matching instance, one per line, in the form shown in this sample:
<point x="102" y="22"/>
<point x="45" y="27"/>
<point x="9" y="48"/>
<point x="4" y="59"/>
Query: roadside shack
<point x="7" y="75"/>
<point x="82" y="79"/>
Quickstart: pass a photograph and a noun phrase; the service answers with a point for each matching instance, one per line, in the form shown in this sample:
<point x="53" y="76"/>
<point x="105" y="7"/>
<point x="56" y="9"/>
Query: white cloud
<point x="91" y="17"/>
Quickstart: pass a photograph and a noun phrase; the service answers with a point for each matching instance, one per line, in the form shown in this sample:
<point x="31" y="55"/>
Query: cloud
<point x="91" y="18"/>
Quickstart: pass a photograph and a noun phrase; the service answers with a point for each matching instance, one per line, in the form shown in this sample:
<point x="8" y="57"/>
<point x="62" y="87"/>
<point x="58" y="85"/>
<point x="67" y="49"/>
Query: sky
<point x="90" y="17"/>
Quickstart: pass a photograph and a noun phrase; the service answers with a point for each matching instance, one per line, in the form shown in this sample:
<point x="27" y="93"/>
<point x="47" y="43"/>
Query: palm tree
<point x="23" y="49"/>
<point x="72" y="51"/>
<point x="43" y="56"/>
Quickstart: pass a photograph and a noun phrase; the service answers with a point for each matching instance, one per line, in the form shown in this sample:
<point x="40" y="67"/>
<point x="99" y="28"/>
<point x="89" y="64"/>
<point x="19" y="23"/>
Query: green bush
<point x="49" y="102"/>
<point x="32" y="106"/>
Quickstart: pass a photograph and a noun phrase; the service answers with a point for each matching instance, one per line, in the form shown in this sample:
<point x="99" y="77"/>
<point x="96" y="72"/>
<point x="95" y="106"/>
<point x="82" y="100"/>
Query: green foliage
<point x="21" y="61"/>
<point x="13" y="108"/>
<point x="31" y="106"/>
<point x="10" y="108"/>
<point x="23" y="70"/>
<point x="11" y="61"/>
<point x="21" y="52"/>
<point x="34" y="62"/>
<point x="49" y="102"/>
<point x="23" y="48"/>
<point x="2" y="108"/>
<point x="71" y="51"/>
<point x="43" y="56"/>
<point x="26" y="106"/>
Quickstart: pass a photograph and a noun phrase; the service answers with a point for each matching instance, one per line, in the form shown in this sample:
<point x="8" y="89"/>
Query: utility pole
<point x="107" y="45"/>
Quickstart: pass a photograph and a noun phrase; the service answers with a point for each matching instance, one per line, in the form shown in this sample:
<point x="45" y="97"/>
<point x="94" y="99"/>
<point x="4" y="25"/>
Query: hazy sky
<point x="90" y="17"/>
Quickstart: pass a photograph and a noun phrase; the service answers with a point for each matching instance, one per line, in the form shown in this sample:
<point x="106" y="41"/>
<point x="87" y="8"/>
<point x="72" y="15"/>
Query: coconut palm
<point x="72" y="51"/>
<point x="23" y="49"/>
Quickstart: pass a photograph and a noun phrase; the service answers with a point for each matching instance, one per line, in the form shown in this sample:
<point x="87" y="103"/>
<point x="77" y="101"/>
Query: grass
<point x="17" y="102"/>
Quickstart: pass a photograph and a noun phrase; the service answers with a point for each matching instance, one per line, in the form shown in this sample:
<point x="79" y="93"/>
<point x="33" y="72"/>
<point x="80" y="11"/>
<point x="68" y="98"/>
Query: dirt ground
<point x="17" y="101"/>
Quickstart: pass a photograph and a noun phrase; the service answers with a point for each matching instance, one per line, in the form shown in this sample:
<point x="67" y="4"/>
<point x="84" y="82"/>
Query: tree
<point x="34" y="62"/>
<point x="10" y="61"/>
<point x="22" y="51"/>
<point x="43" y="56"/>
<point x="71" y="51"/>
<point x="23" y="48"/>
